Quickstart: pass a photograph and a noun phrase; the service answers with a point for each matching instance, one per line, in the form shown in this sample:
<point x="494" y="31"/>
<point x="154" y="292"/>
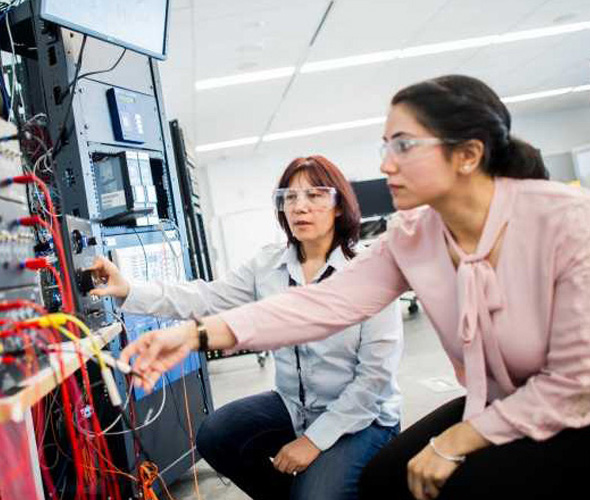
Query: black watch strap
<point x="203" y="336"/>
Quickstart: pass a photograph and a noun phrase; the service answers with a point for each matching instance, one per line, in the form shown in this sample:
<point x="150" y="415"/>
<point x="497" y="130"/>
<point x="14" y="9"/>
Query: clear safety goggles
<point x="315" y="198"/>
<point x="405" y="148"/>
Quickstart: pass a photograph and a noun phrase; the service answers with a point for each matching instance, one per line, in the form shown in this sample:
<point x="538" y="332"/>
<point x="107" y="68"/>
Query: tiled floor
<point x="426" y="380"/>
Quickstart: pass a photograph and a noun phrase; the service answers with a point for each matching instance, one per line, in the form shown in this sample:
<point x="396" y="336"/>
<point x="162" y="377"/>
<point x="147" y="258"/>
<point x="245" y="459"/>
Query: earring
<point x="466" y="168"/>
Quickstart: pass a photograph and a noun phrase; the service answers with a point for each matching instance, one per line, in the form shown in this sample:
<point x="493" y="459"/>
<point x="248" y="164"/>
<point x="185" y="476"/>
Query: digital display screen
<point x="139" y="25"/>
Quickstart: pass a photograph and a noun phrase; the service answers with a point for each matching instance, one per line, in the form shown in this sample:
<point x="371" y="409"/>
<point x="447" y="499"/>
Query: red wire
<point x="42" y="263"/>
<point x="55" y="232"/>
<point x="80" y="445"/>
<point x="112" y="487"/>
<point x="68" y="417"/>
<point x="22" y="304"/>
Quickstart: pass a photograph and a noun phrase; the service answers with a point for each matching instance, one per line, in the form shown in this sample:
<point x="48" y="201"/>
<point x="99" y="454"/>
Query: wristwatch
<point x="202" y="335"/>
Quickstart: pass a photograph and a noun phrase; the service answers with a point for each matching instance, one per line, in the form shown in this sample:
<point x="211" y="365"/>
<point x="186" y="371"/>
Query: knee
<point x="208" y="438"/>
<point x="382" y="475"/>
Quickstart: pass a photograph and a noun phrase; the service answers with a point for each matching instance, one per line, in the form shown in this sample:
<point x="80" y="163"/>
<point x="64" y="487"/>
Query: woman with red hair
<point x="336" y="401"/>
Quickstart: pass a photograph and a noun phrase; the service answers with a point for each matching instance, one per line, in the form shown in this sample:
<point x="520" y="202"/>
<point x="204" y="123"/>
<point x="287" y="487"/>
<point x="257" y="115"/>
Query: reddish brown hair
<point x="322" y="172"/>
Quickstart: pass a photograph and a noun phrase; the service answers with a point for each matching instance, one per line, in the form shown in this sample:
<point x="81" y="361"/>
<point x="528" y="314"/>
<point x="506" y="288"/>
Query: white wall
<point x="238" y="190"/>
<point x="555" y="132"/>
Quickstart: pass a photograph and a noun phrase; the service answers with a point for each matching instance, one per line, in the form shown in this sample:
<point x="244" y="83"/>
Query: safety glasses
<point x="315" y="198"/>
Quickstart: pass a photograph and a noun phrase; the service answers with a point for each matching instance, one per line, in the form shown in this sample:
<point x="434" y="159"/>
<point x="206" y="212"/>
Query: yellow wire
<point x="76" y="340"/>
<point x="80" y="324"/>
<point x="57" y="320"/>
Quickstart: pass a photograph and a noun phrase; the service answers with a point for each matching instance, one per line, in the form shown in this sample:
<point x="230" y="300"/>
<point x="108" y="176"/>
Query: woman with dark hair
<point x="500" y="259"/>
<point x="336" y="401"/>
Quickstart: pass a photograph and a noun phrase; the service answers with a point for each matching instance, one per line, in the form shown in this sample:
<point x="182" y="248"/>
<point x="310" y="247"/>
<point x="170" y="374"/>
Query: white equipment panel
<point x="154" y="261"/>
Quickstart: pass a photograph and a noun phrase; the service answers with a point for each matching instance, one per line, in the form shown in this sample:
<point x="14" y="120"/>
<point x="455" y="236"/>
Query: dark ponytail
<point x="461" y="108"/>
<point x="519" y="160"/>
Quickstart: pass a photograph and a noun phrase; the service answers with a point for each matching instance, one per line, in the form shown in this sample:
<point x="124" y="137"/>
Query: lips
<point x="302" y="223"/>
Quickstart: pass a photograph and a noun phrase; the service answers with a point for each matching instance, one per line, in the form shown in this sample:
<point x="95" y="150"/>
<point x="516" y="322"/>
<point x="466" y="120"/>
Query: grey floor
<point x="426" y="379"/>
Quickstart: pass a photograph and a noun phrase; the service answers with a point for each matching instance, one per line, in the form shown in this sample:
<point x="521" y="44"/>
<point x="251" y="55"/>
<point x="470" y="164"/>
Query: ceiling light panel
<point x="443" y="47"/>
<point x="373" y="121"/>
<point x="251" y="77"/>
<point x="361" y="27"/>
<point x="366" y="122"/>
<point x="215" y="146"/>
<point x="544" y="94"/>
<point x="397" y="24"/>
<point x="514" y="68"/>
<point x="390" y="55"/>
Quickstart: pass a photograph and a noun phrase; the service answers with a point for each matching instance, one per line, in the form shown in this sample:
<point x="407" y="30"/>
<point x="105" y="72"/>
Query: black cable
<point x="91" y="73"/>
<point x="136" y="437"/>
<point x="71" y="88"/>
<point x="61" y="137"/>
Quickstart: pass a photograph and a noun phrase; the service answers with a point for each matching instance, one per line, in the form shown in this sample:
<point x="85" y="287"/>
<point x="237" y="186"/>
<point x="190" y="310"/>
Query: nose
<point x="389" y="165"/>
<point x="301" y="203"/>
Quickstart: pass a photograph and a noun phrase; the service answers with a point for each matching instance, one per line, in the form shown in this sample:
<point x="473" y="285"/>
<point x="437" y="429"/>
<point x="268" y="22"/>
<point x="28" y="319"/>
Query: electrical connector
<point x="21" y="179"/>
<point x="34" y="264"/>
<point x="30" y="221"/>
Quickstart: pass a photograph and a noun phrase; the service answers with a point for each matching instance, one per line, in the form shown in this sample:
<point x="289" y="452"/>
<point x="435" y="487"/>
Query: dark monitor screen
<point x="139" y="25"/>
<point x="374" y="197"/>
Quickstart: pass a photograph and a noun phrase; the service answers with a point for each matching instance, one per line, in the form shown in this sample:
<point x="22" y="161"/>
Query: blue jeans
<point x="238" y="439"/>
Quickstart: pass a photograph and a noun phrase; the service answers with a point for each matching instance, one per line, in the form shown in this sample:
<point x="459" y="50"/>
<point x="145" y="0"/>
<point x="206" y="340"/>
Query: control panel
<point x="125" y="187"/>
<point x="128" y="124"/>
<point x="84" y="246"/>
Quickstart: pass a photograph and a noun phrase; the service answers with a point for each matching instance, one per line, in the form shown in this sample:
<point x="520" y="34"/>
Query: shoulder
<point x="268" y="257"/>
<point x="552" y="217"/>
<point x="411" y="221"/>
<point x="534" y="190"/>
<point x="413" y="227"/>
<point x="551" y="203"/>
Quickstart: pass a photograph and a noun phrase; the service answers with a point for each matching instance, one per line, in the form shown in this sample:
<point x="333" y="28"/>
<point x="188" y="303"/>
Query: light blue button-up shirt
<point x="349" y="378"/>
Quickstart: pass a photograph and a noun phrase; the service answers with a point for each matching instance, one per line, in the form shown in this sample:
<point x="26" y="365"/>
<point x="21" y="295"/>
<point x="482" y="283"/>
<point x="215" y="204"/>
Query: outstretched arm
<point x="367" y="285"/>
<point x="177" y="300"/>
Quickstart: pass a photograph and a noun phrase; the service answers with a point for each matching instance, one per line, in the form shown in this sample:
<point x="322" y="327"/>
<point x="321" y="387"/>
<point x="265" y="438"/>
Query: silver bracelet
<point x="451" y="458"/>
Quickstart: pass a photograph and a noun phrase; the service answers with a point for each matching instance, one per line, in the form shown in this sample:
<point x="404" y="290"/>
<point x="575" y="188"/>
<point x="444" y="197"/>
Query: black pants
<point x="522" y="469"/>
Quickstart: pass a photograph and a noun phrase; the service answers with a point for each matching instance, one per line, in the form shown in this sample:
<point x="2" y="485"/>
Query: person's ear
<point x="469" y="156"/>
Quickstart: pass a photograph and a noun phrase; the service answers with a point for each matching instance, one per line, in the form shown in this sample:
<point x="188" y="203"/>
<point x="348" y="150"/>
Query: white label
<point x="115" y="199"/>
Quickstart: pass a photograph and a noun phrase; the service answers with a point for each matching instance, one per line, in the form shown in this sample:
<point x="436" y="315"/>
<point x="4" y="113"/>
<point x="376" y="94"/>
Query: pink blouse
<point x="518" y="334"/>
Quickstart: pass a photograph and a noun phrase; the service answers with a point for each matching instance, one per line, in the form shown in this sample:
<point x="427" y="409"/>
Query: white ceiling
<point x="213" y="38"/>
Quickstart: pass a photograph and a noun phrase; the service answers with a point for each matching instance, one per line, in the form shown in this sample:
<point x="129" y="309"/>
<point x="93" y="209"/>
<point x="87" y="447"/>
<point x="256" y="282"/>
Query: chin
<point x="405" y="204"/>
<point x="304" y="237"/>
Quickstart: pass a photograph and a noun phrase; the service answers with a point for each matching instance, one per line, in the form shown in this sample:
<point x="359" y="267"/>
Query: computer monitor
<point x="374" y="197"/>
<point x="139" y="25"/>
